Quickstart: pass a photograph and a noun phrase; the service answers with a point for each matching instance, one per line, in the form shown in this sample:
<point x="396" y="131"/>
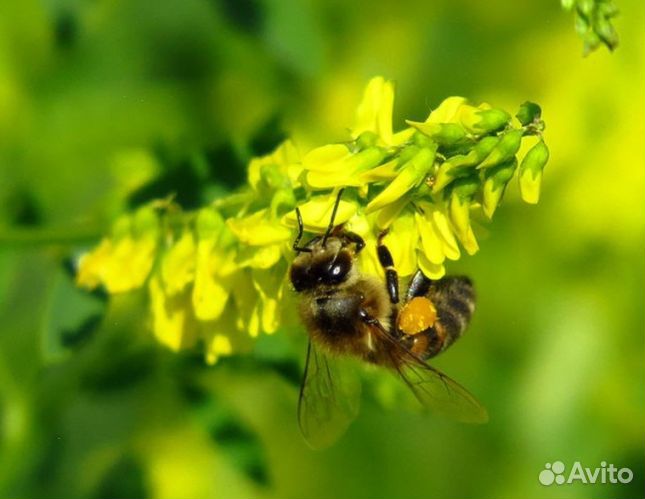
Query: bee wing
<point x="432" y="388"/>
<point x="329" y="398"/>
<point x="437" y="391"/>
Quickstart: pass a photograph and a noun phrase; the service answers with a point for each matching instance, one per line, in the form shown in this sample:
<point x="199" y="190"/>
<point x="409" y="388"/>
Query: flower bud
<point x="461" y="165"/>
<point x="495" y="182"/>
<point x="586" y="7"/>
<point x="481" y="121"/>
<point x="592" y="42"/>
<point x="505" y="149"/>
<point x="446" y="173"/>
<point x="366" y="139"/>
<point x="484" y="147"/>
<point x="530" y="172"/>
<point x="607" y="33"/>
<point x="411" y="175"/>
<point x="444" y="134"/>
<point x="529" y="112"/>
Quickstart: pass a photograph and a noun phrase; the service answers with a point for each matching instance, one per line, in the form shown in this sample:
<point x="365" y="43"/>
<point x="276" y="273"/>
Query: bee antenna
<point x="301" y="229"/>
<point x="333" y="217"/>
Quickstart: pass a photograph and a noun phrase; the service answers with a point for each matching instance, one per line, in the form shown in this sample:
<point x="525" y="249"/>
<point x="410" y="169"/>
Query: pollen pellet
<point x="417" y="315"/>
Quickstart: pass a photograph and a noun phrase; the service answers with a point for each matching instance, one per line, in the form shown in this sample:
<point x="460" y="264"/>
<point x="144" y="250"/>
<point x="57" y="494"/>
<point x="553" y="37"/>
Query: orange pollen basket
<point x="417" y="315"/>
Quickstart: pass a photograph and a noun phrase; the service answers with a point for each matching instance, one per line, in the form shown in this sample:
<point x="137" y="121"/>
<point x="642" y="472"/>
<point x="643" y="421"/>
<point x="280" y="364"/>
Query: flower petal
<point x="178" y="264"/>
<point x="258" y="229"/>
<point x="431" y="244"/>
<point x="316" y="213"/>
<point x="210" y="292"/>
<point x="261" y="257"/>
<point x="443" y="230"/>
<point x="374" y="113"/>
<point x="446" y="112"/>
<point x="430" y="269"/>
<point x="172" y="321"/>
<point x="326" y="159"/>
<point x="402" y="240"/>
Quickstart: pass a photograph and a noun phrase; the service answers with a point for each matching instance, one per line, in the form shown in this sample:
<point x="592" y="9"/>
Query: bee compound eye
<point x="339" y="268"/>
<point x="299" y="277"/>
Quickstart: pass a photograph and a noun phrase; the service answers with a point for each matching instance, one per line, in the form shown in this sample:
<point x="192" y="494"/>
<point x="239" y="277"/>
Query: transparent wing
<point x="437" y="391"/>
<point x="329" y="398"/>
<point x="434" y="389"/>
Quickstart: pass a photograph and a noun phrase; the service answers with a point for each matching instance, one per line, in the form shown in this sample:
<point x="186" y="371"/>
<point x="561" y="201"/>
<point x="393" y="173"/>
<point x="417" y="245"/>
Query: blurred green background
<point x="105" y="104"/>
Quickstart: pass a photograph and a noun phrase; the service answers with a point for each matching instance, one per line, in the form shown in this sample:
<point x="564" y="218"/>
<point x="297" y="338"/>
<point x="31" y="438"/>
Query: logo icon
<point x="552" y="473"/>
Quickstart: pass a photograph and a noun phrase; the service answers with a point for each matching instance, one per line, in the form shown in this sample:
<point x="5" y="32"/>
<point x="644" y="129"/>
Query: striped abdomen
<point x="453" y="299"/>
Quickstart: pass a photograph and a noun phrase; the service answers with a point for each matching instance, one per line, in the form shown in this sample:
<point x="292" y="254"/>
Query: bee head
<point x="326" y="264"/>
<point x="325" y="260"/>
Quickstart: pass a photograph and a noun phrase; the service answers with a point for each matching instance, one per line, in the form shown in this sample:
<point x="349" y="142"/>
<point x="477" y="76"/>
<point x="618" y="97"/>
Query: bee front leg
<point x="391" y="276"/>
<point x="419" y="285"/>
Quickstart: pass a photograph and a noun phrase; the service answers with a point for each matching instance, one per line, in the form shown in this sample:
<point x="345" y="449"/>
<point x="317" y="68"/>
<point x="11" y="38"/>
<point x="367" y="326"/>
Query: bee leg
<point x="356" y="239"/>
<point x="419" y="285"/>
<point x="391" y="277"/>
<point x="369" y="320"/>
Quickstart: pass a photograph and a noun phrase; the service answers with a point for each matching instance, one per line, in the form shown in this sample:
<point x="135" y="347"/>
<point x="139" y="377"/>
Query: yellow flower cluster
<point x="219" y="275"/>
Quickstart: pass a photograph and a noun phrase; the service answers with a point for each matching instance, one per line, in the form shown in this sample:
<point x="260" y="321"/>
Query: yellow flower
<point x="271" y="171"/>
<point x="335" y="165"/>
<point x="247" y="304"/>
<point x="316" y="213"/>
<point x="221" y="274"/>
<point x="123" y="262"/>
<point x="258" y="229"/>
<point x="261" y="236"/>
<point x="178" y="264"/>
<point x="215" y="265"/>
<point x="447" y="111"/>
<point x="269" y="284"/>
<point x="368" y="259"/>
<point x="411" y="175"/>
<point x="402" y="239"/>
<point x="374" y="113"/>
<point x="173" y="322"/>
<point x="222" y="337"/>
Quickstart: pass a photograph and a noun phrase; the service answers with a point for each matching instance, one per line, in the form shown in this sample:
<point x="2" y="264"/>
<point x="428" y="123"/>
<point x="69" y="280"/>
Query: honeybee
<point x="349" y="314"/>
